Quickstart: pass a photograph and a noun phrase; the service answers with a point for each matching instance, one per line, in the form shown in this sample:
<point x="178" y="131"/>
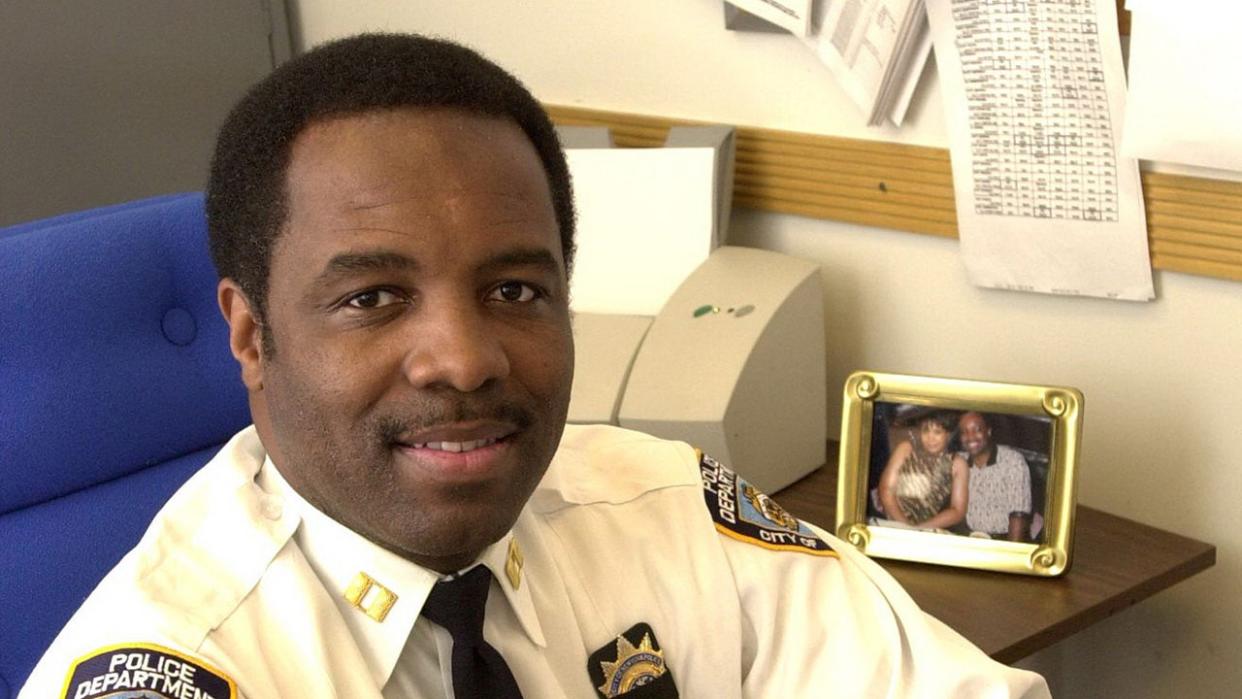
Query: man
<point x="392" y="222"/>
<point x="1000" y="483"/>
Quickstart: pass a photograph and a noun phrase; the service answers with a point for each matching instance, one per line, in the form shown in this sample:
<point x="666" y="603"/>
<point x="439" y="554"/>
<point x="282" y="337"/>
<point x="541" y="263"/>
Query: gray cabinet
<point x="103" y="101"/>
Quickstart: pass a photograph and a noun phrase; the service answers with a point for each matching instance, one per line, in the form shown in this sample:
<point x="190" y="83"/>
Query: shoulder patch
<point x="742" y="512"/>
<point x="148" y="671"/>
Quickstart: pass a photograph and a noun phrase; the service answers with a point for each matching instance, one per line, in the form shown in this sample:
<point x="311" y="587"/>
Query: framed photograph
<point x="962" y="473"/>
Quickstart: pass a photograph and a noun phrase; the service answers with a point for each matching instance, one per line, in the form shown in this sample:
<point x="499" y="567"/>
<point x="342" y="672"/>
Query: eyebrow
<point x="348" y="263"/>
<point x="540" y="258"/>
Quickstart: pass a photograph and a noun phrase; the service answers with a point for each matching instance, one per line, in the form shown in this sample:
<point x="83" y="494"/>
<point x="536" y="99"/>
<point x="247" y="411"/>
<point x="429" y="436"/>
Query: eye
<point x="514" y="292"/>
<point x="372" y="298"/>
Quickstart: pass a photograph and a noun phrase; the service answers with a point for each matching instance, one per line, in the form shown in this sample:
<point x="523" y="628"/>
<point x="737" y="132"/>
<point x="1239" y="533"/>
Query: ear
<point x="245" y="332"/>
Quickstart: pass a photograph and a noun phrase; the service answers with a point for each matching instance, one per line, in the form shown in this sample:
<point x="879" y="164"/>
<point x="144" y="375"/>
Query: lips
<point x="457" y="447"/>
<point x="458" y="452"/>
<point x="459" y="436"/>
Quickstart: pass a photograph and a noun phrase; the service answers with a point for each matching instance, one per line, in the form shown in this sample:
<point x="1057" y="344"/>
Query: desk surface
<point x="1116" y="562"/>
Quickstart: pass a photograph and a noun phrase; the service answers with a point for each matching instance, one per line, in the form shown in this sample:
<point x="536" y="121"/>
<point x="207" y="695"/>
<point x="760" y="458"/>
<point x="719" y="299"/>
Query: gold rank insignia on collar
<point x="513" y="564"/>
<point x="634" y="660"/>
<point x="369" y="596"/>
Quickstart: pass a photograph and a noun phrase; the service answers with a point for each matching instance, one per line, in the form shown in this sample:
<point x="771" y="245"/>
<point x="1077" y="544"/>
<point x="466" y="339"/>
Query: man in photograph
<point x="409" y="516"/>
<point x="1000" y="483"/>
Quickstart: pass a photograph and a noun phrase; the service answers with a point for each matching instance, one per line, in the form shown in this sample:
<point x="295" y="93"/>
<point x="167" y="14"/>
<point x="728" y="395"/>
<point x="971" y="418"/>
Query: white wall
<point x="1163" y="407"/>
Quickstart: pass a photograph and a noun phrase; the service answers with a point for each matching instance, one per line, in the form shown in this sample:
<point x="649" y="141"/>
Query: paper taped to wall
<point x="1034" y="96"/>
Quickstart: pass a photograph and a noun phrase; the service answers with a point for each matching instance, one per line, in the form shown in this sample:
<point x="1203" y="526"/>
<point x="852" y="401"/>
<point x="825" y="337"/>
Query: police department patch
<point x="744" y="513"/>
<point x="145" y="671"/>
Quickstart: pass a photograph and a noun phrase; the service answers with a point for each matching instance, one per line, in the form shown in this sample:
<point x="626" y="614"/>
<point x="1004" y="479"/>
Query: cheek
<point x="546" y="362"/>
<point x="326" y="386"/>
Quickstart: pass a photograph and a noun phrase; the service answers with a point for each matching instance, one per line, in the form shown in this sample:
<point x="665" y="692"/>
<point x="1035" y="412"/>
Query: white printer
<point x="678" y="336"/>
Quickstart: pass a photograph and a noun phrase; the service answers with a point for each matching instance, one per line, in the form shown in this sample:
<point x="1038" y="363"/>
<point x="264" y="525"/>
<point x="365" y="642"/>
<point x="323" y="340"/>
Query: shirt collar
<point x="504" y="559"/>
<point x="993" y="455"/>
<point x="348" y="563"/>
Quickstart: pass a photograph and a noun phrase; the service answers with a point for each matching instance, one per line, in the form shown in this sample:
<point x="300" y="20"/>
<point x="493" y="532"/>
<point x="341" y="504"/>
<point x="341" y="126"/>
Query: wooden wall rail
<point x="1194" y="224"/>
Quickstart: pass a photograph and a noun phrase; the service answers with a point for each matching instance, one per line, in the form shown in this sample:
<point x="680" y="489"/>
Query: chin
<point x="457" y="536"/>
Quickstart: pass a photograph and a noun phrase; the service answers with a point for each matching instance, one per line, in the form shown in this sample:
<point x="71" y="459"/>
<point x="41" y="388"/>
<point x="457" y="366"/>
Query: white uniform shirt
<point x="407" y="655"/>
<point x="618" y="533"/>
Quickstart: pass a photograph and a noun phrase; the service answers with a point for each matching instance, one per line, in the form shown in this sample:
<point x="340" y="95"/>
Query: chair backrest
<point x="116" y="383"/>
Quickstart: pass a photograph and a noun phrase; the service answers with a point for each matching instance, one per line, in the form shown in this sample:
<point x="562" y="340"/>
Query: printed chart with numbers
<point x="1034" y="94"/>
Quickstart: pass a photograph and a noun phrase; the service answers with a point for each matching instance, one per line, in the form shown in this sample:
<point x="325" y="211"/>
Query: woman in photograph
<point x="924" y="484"/>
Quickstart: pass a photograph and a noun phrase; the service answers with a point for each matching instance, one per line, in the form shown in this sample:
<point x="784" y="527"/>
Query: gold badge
<point x="370" y="597"/>
<point x="634" y="666"/>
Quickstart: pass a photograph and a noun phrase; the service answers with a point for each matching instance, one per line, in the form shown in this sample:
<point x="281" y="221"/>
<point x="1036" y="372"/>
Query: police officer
<point x="392" y="222"/>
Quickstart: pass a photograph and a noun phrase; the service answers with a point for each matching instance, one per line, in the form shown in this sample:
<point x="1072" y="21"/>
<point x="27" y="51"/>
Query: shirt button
<point x="271" y="507"/>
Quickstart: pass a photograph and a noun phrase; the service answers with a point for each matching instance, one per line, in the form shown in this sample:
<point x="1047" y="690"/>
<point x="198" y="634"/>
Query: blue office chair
<point x="116" y="384"/>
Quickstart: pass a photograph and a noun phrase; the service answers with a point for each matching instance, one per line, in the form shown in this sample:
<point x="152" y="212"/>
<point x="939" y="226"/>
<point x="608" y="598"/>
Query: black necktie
<point x="478" y="670"/>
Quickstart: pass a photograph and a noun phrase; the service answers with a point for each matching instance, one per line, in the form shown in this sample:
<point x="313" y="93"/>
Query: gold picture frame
<point x="870" y="397"/>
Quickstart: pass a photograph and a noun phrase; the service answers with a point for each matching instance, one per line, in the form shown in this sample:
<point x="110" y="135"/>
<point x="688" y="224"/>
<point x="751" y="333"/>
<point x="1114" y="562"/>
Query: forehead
<point x="973" y="421"/>
<point x="413" y="172"/>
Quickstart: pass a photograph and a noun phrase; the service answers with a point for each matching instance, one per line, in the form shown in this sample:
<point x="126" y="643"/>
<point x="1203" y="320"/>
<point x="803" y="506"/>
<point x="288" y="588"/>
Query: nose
<point x="455" y="347"/>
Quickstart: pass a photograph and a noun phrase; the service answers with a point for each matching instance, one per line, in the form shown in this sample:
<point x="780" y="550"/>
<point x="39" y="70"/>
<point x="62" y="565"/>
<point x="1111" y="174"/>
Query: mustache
<point x="390" y="428"/>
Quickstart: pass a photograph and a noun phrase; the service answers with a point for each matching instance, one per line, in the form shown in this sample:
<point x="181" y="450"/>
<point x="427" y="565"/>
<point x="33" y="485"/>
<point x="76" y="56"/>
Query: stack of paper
<point x="647" y="217"/>
<point x="877" y="50"/>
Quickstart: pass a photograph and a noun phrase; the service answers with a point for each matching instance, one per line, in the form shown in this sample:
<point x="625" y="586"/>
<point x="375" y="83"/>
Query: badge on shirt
<point x="744" y="513"/>
<point x="147" y="671"/>
<point x="632" y="667"/>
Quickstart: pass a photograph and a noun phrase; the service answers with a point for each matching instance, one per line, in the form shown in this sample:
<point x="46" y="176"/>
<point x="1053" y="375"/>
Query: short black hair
<point x="246" y="190"/>
<point x="945" y="418"/>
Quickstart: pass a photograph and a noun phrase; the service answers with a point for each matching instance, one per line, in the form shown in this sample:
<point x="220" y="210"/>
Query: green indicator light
<point x="704" y="310"/>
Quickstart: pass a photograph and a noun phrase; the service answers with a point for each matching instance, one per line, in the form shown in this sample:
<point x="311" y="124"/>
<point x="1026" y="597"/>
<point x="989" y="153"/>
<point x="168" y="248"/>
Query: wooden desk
<point x="1116" y="562"/>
